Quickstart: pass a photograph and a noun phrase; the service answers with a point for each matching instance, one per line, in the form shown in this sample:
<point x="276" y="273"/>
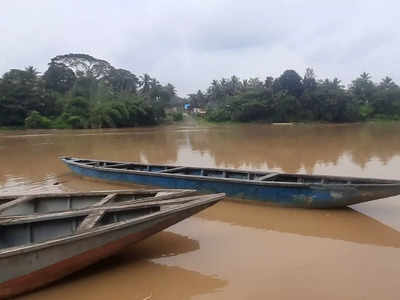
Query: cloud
<point x="190" y="43"/>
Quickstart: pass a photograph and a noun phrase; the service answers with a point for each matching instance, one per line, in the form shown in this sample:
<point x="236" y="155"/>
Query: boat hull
<point x="295" y="195"/>
<point x="33" y="269"/>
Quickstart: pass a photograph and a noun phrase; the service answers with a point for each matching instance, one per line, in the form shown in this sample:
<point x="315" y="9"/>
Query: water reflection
<point x="295" y="148"/>
<point x="268" y="264"/>
<point x="132" y="275"/>
<point x="341" y="224"/>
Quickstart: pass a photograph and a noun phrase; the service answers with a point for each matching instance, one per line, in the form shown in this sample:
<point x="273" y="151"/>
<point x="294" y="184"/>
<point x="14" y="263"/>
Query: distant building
<point x="171" y="109"/>
<point x="199" y="111"/>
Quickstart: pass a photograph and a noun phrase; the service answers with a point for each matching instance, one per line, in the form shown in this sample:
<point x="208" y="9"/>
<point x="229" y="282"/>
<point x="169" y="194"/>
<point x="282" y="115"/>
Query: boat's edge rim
<point x="143" y="191"/>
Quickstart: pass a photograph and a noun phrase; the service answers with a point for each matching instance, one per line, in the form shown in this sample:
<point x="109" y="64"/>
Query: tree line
<point x="80" y="91"/>
<point x="292" y="98"/>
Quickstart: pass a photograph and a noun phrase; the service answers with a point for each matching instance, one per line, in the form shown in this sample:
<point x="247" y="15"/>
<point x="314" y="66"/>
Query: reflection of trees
<point x="35" y="157"/>
<point x="342" y="224"/>
<point x="291" y="148"/>
<point x="131" y="275"/>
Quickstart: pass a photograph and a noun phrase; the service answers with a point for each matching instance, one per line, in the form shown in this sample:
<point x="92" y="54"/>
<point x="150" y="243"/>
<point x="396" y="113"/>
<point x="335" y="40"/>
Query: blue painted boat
<point x="292" y="190"/>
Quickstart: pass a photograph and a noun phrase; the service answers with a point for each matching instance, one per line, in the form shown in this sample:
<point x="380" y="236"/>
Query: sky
<point x="191" y="42"/>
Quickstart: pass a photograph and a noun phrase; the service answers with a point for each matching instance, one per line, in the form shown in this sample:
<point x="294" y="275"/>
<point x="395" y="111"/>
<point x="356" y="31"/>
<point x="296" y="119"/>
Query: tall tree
<point x="291" y="82"/>
<point x="144" y="83"/>
<point x="362" y="88"/>
<point x="171" y="89"/>
<point x="21" y="92"/>
<point x="84" y="65"/>
<point x="309" y="81"/>
<point x="269" y="81"/>
<point x="122" y="81"/>
<point x="387" y="83"/>
<point x="59" y="78"/>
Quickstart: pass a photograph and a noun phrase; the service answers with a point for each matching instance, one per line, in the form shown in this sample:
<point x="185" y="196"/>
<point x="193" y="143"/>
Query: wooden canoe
<point x="40" y="247"/>
<point x="292" y="190"/>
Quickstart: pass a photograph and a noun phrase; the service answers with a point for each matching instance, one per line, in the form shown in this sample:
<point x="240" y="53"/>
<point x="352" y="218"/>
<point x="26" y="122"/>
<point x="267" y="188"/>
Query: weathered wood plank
<point x="117" y="165"/>
<point x="268" y="176"/>
<point x="91" y="220"/>
<point x="106" y="199"/>
<point x="15" y="202"/>
<point x="172" y="170"/>
<point x="164" y="196"/>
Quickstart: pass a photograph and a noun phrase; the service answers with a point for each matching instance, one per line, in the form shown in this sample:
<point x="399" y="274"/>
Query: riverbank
<point x="205" y="122"/>
<point x="190" y="120"/>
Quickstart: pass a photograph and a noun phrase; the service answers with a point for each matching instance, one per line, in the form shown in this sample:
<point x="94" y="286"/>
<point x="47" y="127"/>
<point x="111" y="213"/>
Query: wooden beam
<point x="91" y="220"/>
<point x="15" y="202"/>
<point x="106" y="199"/>
<point x="117" y="165"/>
<point x="268" y="176"/>
<point x="165" y="196"/>
<point x="172" y="170"/>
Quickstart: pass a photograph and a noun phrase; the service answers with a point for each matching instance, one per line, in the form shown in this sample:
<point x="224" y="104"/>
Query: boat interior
<point x="233" y="174"/>
<point x="30" y="204"/>
<point x="31" y="230"/>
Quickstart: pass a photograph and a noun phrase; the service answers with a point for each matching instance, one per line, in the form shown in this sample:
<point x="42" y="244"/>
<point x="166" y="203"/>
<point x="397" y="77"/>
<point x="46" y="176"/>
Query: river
<point x="232" y="250"/>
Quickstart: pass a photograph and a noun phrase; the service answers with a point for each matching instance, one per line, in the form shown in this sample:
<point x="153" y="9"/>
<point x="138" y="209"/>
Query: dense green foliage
<point x="291" y="98"/>
<point x="80" y="91"/>
<point x="177" y="116"/>
<point x="35" y="120"/>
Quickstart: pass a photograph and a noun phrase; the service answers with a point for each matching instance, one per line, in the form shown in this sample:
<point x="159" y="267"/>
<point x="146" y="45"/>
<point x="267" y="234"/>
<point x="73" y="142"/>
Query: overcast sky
<point x="189" y="43"/>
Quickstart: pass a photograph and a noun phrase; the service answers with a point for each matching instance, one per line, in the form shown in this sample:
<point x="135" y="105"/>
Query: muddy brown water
<point x="232" y="250"/>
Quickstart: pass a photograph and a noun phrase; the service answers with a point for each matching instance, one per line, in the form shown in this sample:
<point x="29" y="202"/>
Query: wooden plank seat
<point x="172" y="170"/>
<point x="117" y="165"/>
<point x="267" y="176"/>
<point x="91" y="220"/>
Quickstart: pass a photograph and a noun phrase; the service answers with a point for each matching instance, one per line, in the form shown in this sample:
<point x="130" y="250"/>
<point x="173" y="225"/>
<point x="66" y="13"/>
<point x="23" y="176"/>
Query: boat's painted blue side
<point x="301" y="196"/>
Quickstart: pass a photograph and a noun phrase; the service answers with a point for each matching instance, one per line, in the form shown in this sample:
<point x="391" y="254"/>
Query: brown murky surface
<point x="232" y="250"/>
